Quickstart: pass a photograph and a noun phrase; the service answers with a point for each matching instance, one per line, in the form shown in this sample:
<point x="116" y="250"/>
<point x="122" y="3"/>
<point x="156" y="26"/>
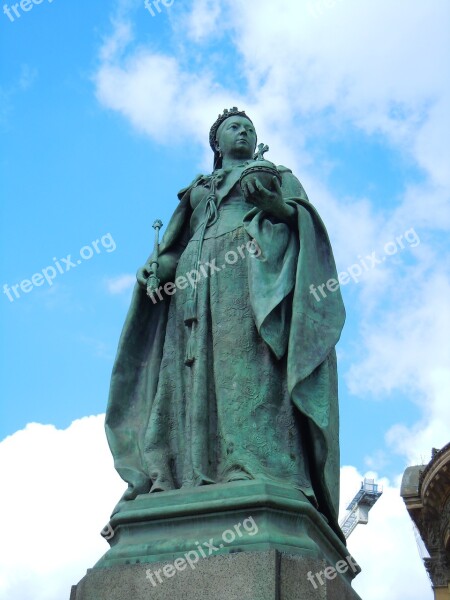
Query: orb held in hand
<point x="261" y="169"/>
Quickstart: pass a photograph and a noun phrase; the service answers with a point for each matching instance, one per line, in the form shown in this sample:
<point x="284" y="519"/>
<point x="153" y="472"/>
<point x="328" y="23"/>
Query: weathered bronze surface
<point x="228" y="371"/>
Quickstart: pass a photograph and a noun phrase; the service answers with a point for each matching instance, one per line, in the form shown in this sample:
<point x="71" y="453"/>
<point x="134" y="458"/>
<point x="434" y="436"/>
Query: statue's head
<point x="222" y="136"/>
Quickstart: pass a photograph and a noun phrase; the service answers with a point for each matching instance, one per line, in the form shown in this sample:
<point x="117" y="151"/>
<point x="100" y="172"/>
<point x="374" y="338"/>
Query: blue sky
<point x="104" y="115"/>
<point x="72" y="173"/>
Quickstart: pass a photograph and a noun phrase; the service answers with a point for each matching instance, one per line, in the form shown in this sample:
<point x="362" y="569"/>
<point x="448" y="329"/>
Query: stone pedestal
<point x="267" y="575"/>
<point x="241" y="541"/>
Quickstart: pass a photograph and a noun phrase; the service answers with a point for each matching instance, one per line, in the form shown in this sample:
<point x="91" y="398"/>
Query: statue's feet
<point x="204" y="480"/>
<point x="238" y="478"/>
<point x="237" y="475"/>
<point x="197" y="479"/>
<point x="162" y="484"/>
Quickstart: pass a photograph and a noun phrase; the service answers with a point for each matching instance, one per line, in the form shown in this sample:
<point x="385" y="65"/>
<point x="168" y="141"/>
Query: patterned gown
<point x="227" y="415"/>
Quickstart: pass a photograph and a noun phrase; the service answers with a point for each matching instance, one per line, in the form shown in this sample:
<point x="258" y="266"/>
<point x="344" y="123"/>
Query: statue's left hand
<point x="270" y="201"/>
<point x="167" y="265"/>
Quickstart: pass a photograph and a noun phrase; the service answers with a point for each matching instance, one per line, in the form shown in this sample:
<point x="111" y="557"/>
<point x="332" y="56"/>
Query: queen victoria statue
<point x="223" y="408"/>
<point x="226" y="367"/>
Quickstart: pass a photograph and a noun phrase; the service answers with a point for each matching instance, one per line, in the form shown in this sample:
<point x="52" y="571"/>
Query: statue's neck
<point x="228" y="166"/>
<point x="231" y="163"/>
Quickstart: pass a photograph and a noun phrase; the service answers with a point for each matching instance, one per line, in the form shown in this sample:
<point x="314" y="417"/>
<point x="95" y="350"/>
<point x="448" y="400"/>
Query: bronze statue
<point x="228" y="371"/>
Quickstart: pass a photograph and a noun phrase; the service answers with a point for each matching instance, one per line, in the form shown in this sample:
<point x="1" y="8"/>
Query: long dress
<point x="247" y="389"/>
<point x="228" y="415"/>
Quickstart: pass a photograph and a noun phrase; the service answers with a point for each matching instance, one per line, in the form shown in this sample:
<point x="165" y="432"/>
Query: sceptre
<point x="153" y="279"/>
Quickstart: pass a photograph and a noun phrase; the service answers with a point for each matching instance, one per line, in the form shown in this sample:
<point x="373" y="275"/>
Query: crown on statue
<point x="232" y="112"/>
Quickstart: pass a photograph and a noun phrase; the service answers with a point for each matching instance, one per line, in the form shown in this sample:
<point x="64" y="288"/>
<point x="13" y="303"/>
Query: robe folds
<point x="260" y="399"/>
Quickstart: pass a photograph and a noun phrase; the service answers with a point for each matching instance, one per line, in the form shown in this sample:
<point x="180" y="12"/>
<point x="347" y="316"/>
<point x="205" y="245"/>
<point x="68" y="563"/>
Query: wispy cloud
<point x="120" y="284"/>
<point x="99" y="348"/>
<point x="28" y="75"/>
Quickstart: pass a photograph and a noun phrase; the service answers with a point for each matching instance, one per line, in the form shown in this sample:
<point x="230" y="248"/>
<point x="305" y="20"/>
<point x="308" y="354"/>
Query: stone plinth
<point x="245" y="540"/>
<point x="267" y="575"/>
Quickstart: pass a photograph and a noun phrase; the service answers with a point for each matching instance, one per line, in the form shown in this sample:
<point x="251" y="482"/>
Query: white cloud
<point x="408" y="352"/>
<point x="432" y="431"/>
<point x="114" y="44"/>
<point x="358" y="56"/>
<point x="202" y="22"/>
<point x="62" y="488"/>
<point x="120" y="284"/>
<point x="28" y="76"/>
<point x="421" y="322"/>
<point x="357" y="64"/>
<point x="385" y="548"/>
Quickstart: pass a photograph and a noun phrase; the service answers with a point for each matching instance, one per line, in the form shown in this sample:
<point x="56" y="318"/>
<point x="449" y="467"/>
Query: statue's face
<point x="236" y="137"/>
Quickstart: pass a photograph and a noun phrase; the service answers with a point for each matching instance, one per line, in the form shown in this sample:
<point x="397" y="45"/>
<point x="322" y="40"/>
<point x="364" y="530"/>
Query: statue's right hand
<point x="143" y="274"/>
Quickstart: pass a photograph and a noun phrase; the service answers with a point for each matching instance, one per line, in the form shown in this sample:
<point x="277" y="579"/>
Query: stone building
<point x="426" y="492"/>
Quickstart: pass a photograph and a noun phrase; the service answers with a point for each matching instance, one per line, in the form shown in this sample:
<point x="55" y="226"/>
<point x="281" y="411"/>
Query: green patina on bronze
<point x="235" y="378"/>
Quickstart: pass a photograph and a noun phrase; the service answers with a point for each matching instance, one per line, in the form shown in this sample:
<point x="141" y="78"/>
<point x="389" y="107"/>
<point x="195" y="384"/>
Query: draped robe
<point x="260" y="399"/>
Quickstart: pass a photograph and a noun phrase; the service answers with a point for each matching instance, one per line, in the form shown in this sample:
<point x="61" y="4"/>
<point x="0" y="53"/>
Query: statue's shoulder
<point x="291" y="186"/>
<point x="189" y="187"/>
<point x="283" y="169"/>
